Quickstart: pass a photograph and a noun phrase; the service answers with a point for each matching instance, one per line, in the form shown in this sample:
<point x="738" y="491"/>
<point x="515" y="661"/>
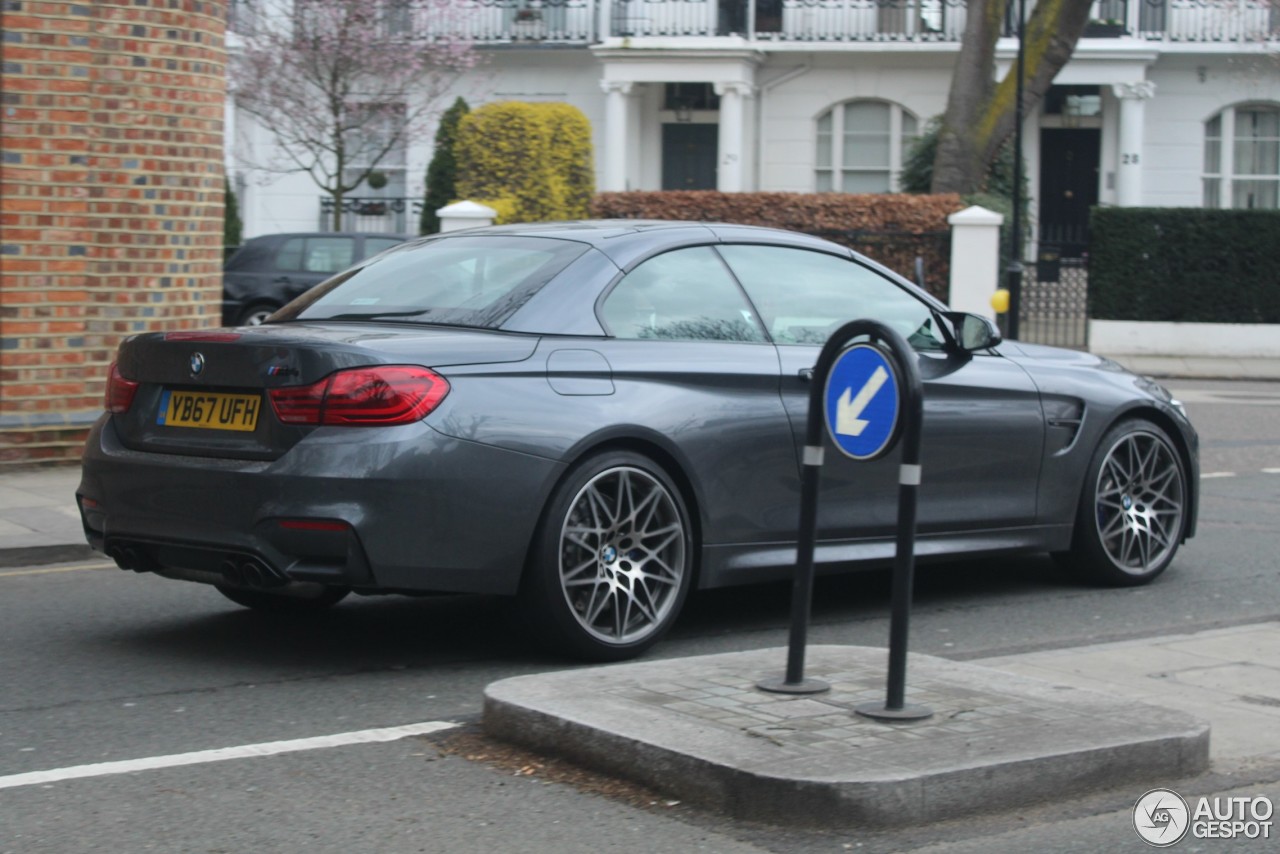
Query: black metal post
<point x="1013" y="276"/>
<point x="802" y="584"/>
<point x="895" y="707"/>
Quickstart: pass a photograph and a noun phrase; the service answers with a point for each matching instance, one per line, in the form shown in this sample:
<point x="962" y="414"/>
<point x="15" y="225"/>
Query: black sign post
<point x="869" y="395"/>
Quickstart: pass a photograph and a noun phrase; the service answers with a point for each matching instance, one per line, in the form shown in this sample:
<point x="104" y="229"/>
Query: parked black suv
<point x="269" y="271"/>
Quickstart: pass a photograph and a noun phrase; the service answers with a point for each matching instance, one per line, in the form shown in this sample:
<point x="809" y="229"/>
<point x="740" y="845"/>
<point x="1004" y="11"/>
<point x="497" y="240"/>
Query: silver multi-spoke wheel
<point x="1139" y="501"/>
<point x="622" y="555"/>
<point x="1133" y="510"/>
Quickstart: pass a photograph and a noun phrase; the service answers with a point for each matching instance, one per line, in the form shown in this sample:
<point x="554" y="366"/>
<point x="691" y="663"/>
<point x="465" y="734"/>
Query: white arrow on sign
<point x="848" y="422"/>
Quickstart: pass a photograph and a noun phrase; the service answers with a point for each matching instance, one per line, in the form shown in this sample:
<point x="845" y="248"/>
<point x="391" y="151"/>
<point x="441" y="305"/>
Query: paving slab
<point x="698" y="729"/>
<point x="1229" y="677"/>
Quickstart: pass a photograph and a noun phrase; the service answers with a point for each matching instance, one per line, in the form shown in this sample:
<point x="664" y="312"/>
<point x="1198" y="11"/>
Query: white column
<point x="616" y="133"/>
<point x="732" y="141"/>
<point x="605" y="22"/>
<point x="975" y="260"/>
<point x="1133" y="98"/>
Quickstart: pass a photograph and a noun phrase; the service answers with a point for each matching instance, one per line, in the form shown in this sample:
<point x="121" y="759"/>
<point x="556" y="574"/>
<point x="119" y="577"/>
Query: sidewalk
<point x="39" y="522"/>
<point x="1200" y="367"/>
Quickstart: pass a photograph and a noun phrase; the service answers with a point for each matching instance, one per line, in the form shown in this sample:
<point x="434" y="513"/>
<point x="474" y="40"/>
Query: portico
<point x="635" y="112"/>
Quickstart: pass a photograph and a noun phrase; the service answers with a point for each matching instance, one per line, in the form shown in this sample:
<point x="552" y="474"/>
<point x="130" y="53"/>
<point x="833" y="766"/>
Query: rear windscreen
<point x="457" y="281"/>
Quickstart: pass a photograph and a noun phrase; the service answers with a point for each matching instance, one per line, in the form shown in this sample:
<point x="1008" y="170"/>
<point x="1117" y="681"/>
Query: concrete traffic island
<point x="698" y="729"/>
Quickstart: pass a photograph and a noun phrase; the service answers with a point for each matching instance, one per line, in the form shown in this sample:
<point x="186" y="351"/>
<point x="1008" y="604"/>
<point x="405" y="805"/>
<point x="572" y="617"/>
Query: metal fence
<point x="370" y="214"/>
<point x="1055" y="302"/>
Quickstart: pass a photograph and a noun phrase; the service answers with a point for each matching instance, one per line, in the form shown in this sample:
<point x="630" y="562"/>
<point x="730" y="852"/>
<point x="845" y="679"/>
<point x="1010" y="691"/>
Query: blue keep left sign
<point x="863" y="402"/>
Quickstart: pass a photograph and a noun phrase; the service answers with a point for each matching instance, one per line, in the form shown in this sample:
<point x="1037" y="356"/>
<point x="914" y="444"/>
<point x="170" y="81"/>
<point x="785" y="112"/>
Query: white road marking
<point x="1229" y="397"/>
<point x="1271" y="471"/>
<point x="1208" y="475"/>
<point x="268" y="748"/>
<point x="78" y="568"/>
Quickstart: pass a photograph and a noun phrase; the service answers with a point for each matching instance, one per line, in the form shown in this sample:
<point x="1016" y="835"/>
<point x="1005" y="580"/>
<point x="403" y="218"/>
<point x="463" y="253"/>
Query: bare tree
<point x="980" y="111"/>
<point x="343" y="84"/>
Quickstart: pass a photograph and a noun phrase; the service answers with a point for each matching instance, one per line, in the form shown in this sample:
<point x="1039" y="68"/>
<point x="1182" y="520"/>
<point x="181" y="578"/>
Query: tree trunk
<point x="336" y="223"/>
<point x="980" y="113"/>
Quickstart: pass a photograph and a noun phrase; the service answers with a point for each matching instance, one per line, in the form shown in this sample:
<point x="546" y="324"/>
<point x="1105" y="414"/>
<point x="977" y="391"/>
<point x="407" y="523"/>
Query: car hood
<point x="1040" y="354"/>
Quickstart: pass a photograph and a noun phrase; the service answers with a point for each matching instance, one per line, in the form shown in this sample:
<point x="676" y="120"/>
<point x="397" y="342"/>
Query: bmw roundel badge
<point x="196" y="364"/>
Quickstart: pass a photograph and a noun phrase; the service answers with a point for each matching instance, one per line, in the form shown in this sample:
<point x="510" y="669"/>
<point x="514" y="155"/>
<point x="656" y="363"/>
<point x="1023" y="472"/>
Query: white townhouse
<point x="1164" y="103"/>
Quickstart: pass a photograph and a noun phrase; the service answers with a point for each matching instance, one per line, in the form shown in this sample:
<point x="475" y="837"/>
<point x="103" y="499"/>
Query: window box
<point x="1104" y="30"/>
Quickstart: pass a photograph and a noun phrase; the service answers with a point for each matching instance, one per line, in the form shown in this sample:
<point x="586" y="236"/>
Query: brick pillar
<point x="111" y="205"/>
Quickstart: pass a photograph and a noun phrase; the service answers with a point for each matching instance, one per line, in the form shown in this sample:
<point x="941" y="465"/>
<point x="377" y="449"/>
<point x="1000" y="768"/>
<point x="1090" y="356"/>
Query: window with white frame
<point x="1242" y="157"/>
<point x="861" y="146"/>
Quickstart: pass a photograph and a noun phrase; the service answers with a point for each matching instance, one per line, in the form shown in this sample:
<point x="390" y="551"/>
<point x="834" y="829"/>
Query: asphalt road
<point x="100" y="665"/>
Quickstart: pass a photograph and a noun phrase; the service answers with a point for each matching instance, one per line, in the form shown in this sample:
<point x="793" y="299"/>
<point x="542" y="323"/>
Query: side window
<point x="685" y="295"/>
<point x="290" y="255"/>
<point x="804" y="296"/>
<point x="374" y="245"/>
<point x="329" y="254"/>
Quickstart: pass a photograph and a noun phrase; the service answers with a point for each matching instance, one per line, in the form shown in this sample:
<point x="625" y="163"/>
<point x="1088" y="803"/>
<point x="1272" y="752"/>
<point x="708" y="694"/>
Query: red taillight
<point x="120" y="391"/>
<point x="385" y="394"/>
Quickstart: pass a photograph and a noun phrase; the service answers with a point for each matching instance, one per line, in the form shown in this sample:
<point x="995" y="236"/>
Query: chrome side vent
<point x="1063" y="417"/>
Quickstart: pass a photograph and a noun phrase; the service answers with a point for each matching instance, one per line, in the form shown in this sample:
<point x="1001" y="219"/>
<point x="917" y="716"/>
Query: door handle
<point x="805" y="374"/>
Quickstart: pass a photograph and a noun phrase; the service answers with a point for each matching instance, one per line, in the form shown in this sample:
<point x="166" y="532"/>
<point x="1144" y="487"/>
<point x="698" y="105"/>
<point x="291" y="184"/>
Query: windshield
<point x="455" y="281"/>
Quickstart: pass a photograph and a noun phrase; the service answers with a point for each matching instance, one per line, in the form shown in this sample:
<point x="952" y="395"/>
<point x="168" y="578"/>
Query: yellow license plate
<point x="209" y="409"/>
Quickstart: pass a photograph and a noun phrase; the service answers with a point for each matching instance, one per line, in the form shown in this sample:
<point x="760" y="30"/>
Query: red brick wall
<point x="111" y="197"/>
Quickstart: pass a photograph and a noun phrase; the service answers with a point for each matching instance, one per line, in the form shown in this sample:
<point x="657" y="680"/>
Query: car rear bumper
<point x="395" y="509"/>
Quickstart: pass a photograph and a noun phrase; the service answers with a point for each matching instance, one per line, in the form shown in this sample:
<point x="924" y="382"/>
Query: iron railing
<point x="585" y="22"/>
<point x="369" y="214"/>
<point x="1055" y="301"/>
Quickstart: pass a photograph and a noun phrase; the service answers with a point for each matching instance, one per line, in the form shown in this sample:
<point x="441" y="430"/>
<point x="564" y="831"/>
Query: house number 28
<point x="1128" y="159"/>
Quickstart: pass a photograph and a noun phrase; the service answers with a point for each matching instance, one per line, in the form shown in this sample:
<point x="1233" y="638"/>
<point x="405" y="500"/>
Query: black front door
<point x="1068" y="187"/>
<point x="689" y="156"/>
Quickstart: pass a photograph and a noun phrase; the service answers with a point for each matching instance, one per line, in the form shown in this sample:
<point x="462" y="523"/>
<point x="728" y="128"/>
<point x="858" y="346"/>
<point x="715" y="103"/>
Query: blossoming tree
<point x="342" y="84"/>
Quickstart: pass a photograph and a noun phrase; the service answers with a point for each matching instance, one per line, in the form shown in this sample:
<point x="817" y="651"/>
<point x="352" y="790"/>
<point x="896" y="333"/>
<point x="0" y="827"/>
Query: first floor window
<point x="861" y="145"/>
<point x="1242" y="158"/>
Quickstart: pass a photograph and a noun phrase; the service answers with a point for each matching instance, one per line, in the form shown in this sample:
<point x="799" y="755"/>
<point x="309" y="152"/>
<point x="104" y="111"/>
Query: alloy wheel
<point x="1140" y="502"/>
<point x="622" y="555"/>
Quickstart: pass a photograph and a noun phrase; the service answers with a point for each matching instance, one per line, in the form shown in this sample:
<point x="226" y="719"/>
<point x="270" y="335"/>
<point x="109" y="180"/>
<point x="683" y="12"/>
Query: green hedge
<point x="1184" y="264"/>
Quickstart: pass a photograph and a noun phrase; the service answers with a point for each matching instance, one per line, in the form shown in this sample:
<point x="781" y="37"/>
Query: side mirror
<point x="973" y="332"/>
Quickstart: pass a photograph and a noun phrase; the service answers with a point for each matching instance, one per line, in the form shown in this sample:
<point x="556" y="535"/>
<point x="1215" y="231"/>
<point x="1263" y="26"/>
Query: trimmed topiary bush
<point x="530" y="161"/>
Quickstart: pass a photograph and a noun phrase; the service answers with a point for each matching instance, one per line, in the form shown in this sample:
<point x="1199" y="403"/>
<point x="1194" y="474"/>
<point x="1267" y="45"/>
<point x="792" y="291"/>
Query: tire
<point x="256" y="313"/>
<point x="612" y="561"/>
<point x="294" y="599"/>
<point x="1132" y="510"/>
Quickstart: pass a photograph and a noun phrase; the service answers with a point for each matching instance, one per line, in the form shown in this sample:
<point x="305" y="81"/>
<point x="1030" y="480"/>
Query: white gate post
<point x="466" y="214"/>
<point x="975" y="260"/>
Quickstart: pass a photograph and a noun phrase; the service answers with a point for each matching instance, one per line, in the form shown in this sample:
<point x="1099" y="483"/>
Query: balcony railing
<point x="586" y="22"/>
<point x="1189" y="20"/>
<point x="794" y="20"/>
<point x="370" y="214"/>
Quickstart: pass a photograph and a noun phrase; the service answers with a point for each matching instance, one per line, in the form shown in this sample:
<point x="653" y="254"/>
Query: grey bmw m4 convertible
<point x="596" y="417"/>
